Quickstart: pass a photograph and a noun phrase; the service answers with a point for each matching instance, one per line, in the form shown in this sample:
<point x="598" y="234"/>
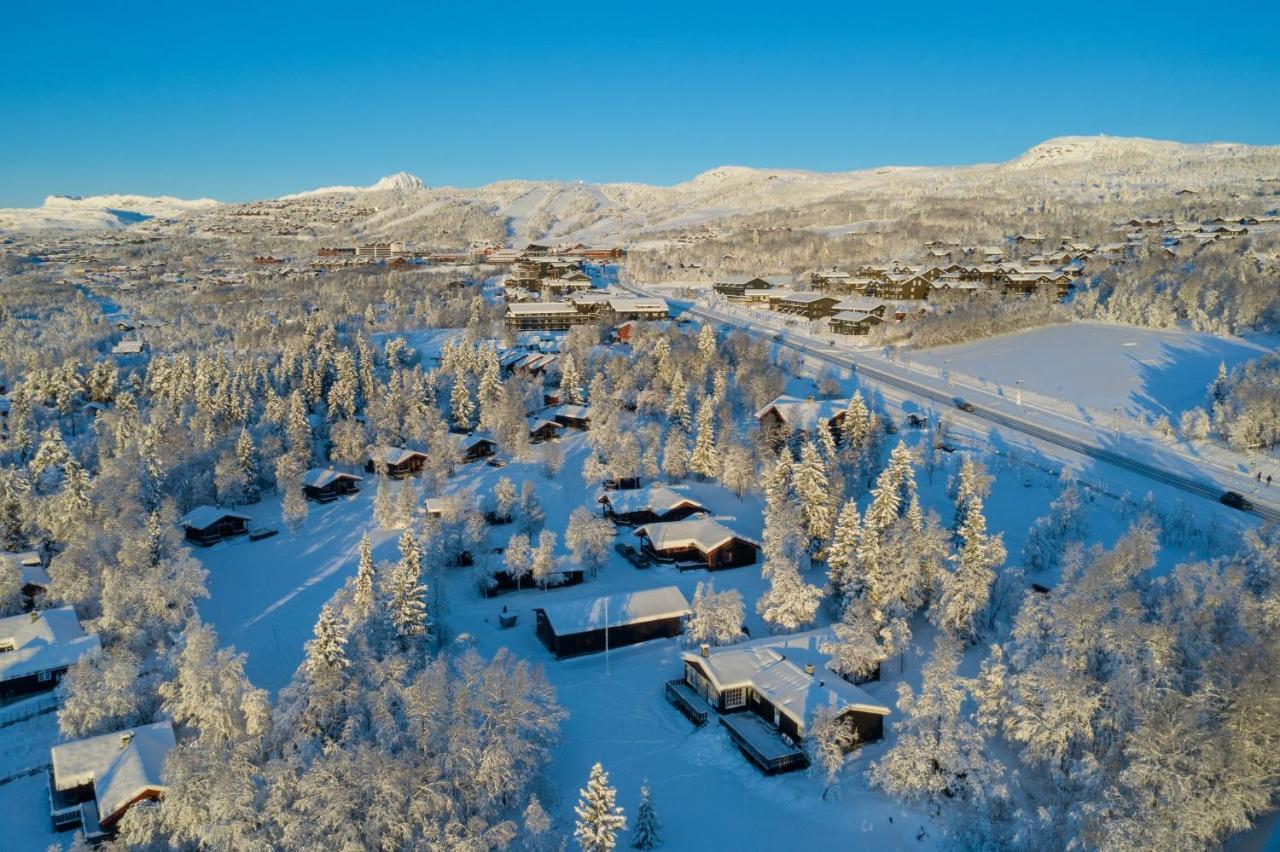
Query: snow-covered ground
<point x="1143" y="371"/>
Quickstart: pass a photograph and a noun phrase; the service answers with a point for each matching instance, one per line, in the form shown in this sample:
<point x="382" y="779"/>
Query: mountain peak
<point x="401" y="181"/>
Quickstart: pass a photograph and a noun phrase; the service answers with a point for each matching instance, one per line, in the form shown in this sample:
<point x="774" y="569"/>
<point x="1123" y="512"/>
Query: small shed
<point x="594" y="624"/>
<point x="206" y="525"/>
<point x="325" y="485"/>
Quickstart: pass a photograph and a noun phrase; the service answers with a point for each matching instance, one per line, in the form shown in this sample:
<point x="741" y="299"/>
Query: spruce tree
<point x="703" y="460"/>
<point x="647" y="827"/>
<point x="599" y="819"/>
<point x="407" y="594"/>
<point x="366" y="578"/>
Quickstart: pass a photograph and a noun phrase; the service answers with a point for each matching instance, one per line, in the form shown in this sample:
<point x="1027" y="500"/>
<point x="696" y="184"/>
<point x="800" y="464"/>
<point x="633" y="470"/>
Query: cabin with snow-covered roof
<point x="396" y="462"/>
<point x="208" y="525"/>
<point x="648" y="505"/>
<point x="324" y="484"/>
<point x="93" y="782"/>
<point x="37" y="648"/>
<point x="789" y="415"/>
<point x="591" y="625"/>
<point x="697" y="543"/>
<point x="768" y="692"/>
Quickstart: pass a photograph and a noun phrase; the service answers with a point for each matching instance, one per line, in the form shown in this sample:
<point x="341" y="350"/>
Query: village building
<point x="207" y="525"/>
<point x="631" y="310"/>
<point x="396" y="462"/>
<point x="697" y="543"/>
<point x="573" y="416"/>
<point x="592" y="625"/>
<point x="129" y="347"/>
<point x="767" y="692"/>
<point x="32" y="574"/>
<point x="324" y="485"/>
<point x="790" y="415"/>
<point x="473" y="446"/>
<point x="648" y="505"/>
<point x="863" y="304"/>
<point x="571" y="282"/>
<point x="809" y="305"/>
<point x="37" y="648"/>
<point x="93" y="782"/>
<point x="738" y="285"/>
<point x="544" y="316"/>
<point x="541" y="430"/>
<point x="854" y="322"/>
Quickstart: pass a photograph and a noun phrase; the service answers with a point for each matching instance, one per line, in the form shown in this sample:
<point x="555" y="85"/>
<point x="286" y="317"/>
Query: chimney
<point x="125" y="738"/>
<point x="704" y="649"/>
<point x="808" y="668"/>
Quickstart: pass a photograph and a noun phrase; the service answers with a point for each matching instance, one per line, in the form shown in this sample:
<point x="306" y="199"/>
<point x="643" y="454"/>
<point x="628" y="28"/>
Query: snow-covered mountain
<point x="1072" y="168"/>
<point x="99" y="212"/>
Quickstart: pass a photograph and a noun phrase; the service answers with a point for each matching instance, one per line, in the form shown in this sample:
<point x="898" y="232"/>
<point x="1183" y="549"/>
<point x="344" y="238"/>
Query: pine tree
<point x="327" y="652"/>
<point x="789" y="603"/>
<point x="366" y="579"/>
<point x="461" y="406"/>
<point x="645" y="833"/>
<point x="967" y="590"/>
<point x="703" y="460"/>
<point x="599" y="819"/>
<point x="856" y="653"/>
<point x="675" y="455"/>
<point x="813" y="489"/>
<point x="842" y="554"/>
<point x="678" y="406"/>
<point x="246" y="457"/>
<point x="570" y="380"/>
<point x="407" y="594"/>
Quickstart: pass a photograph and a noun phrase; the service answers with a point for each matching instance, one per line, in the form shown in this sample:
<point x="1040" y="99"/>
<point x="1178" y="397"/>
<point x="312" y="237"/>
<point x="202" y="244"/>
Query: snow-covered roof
<point x="627" y="608"/>
<point x="464" y="442"/>
<point x="865" y="304"/>
<point x="775" y="668"/>
<point x="855" y="316"/>
<point x="42" y="642"/>
<point x="541" y="422"/>
<point x="29" y="567"/>
<point x="656" y="498"/>
<point x="804" y="414"/>
<point x="319" y="477"/>
<point x="121" y="766"/>
<point x="706" y="534"/>
<point x="203" y="517"/>
<point x="395" y="455"/>
<point x="624" y="305"/>
<point x="806" y="297"/>
<point x="540" y="308"/>
<point x="577" y="412"/>
<point x="127" y="347"/>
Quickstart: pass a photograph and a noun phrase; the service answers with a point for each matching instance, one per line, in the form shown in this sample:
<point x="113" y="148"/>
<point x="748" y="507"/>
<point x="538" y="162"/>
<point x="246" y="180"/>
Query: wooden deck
<point x="687" y="701"/>
<point x="762" y="743"/>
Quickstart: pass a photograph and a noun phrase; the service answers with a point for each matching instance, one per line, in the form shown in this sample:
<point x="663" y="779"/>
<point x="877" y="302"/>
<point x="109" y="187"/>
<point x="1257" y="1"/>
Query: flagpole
<point x="606" y="637"/>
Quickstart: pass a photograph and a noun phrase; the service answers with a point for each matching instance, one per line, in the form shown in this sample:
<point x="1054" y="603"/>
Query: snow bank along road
<point x="862" y="367"/>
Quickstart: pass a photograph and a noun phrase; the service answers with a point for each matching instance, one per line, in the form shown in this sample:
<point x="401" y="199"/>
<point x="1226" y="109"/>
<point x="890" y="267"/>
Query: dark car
<point x="964" y="405"/>
<point x="635" y="557"/>
<point x="1235" y="500"/>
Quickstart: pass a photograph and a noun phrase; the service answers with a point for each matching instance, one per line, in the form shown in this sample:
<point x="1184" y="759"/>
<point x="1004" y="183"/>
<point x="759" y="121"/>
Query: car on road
<point x="964" y="404"/>
<point x="1236" y="500"/>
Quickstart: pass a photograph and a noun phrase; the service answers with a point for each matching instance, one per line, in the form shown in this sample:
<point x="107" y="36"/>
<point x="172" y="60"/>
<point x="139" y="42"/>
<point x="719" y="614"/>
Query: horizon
<point x="236" y="107"/>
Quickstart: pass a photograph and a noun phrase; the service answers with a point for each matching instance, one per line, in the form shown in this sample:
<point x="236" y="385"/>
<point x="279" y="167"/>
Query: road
<point x="863" y="367"/>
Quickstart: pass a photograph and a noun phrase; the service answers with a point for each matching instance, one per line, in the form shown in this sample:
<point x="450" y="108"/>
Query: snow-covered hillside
<point x="75" y="213"/>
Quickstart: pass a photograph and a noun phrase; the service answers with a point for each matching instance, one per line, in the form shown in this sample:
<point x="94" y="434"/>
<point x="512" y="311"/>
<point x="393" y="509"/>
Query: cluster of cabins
<point x="581" y="309"/>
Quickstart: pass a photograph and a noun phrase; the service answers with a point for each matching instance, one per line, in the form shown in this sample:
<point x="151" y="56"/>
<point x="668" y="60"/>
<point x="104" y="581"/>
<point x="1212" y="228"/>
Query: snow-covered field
<point x="1144" y="371"/>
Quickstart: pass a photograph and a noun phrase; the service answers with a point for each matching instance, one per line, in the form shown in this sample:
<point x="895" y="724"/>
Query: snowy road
<point x="1163" y="467"/>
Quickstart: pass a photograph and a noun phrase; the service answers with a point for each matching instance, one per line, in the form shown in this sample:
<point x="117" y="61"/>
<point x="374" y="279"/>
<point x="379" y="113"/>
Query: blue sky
<point x="239" y="101"/>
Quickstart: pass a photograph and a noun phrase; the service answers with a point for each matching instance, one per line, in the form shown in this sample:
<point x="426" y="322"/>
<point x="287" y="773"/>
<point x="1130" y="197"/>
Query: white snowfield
<point x="99" y="212"/>
<point x="615" y="610"/>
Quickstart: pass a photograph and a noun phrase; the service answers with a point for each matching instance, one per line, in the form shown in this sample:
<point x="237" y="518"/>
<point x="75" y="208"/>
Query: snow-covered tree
<point x="326" y="654"/>
<point x="570" y="380"/>
<point x="516" y="556"/>
<point x="842" y="553"/>
<point x="365" y="595"/>
<point x="738" y="469"/>
<point x="967" y="589"/>
<point x="813" y="489"/>
<point x="599" y="818"/>
<point x="675" y="455"/>
<point x="590" y="537"/>
<point x="542" y="560"/>
<point x="856" y="652"/>
<point x="789" y="603"/>
<point x="406" y="593"/>
<point x="646" y="833"/>
<point x="704" y="460"/>
<point x="827" y="741"/>
<point x="717" y="616"/>
<point x="1050" y="535"/>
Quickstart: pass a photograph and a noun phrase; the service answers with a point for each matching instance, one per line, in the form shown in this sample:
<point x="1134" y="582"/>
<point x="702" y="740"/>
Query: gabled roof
<point x="624" y="305"/>
<point x="395" y="455"/>
<point x="203" y="517"/>
<point x="540" y="308"/>
<point x="807" y="297"/>
<point x="319" y="477"/>
<point x="43" y="641"/>
<point x="121" y="766"/>
<point x="616" y="610"/>
<point x="706" y="534"/>
<point x="856" y="316"/>
<point x="656" y="498"/>
<point x="865" y="304"/>
<point x="576" y="412"/>
<point x="804" y="414"/>
<point x="775" y="668"/>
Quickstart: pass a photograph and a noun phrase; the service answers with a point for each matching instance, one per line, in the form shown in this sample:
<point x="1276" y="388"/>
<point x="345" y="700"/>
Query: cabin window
<point x="44" y="677"/>
<point x="735" y="698"/>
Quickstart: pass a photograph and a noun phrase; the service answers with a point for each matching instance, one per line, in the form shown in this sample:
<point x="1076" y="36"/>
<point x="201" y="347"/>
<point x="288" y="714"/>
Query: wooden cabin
<point x="767" y="692"/>
<point x="573" y="416"/>
<point x="591" y="625"/>
<point x="324" y="485"/>
<point x="397" y="462"/>
<point x="474" y="446"/>
<point x="543" y="430"/>
<point x="657" y="503"/>
<point x="500" y="582"/>
<point x="697" y="543"/>
<point x="93" y="782"/>
<point x="208" y="525"/>
<point x="809" y="305"/>
<point x="790" y="415"/>
<point x="854" y="322"/>
<point x="37" y="648"/>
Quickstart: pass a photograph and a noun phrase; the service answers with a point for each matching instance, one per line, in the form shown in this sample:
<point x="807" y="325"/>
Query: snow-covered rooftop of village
<point x="121" y="765"/>
<point x="615" y="610"/>
<point x="775" y="667"/>
<point x="706" y="534"/>
<point x="804" y="414"/>
<point x="43" y="641"/>
<point x="319" y="477"/>
<point x="203" y="517"/>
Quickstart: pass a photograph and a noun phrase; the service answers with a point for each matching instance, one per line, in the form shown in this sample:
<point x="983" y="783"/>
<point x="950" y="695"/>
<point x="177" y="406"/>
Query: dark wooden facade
<point x="593" y="641"/>
<point x="732" y="554"/>
<point x="228" y="526"/>
<point x="332" y="490"/>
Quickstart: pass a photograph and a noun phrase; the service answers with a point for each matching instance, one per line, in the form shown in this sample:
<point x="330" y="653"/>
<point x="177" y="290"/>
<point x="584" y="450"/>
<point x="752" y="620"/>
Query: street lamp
<point x="1018" y="397"/>
<point x="946" y="366"/>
